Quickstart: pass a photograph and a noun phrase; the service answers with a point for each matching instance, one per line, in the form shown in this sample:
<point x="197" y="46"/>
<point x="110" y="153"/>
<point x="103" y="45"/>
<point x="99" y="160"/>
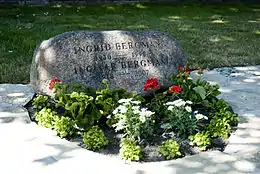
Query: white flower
<point x="201" y="116"/>
<point x="122" y="109"/>
<point x="189" y="78"/>
<point x="195" y="112"/>
<point x="123" y="100"/>
<point x="144" y="112"/>
<point x="170" y="108"/>
<point x="169" y="103"/>
<point x="188" y="109"/>
<point x="136" y="102"/>
<point x="189" y="102"/>
<point x="115" y="111"/>
<point x="142" y="118"/>
<point x="179" y="103"/>
<point x="136" y="109"/>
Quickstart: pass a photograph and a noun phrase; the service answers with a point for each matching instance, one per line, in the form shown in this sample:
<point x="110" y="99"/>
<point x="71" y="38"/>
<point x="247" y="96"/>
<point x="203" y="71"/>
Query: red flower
<point x="151" y="83"/>
<point x="53" y="81"/>
<point x="183" y="69"/>
<point x="176" y="89"/>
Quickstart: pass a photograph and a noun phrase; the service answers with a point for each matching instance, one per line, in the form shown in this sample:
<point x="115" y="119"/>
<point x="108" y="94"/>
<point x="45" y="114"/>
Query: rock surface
<point x="126" y="58"/>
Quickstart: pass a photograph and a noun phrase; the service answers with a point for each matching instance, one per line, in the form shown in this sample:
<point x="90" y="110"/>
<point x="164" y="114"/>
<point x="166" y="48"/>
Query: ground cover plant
<point x="183" y="120"/>
<point x="212" y="35"/>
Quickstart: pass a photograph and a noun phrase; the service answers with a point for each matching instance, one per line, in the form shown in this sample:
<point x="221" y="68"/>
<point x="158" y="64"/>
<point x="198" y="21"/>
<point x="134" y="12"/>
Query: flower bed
<point x="183" y="120"/>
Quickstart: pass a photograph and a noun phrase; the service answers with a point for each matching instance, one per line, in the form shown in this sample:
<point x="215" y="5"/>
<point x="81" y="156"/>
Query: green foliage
<point x="40" y="101"/>
<point x="85" y="105"/>
<point x="64" y="126"/>
<point x="129" y="150"/>
<point x="219" y="127"/>
<point x="136" y="122"/>
<point x="222" y="109"/>
<point x="200" y="93"/>
<point x="222" y="119"/>
<point x="95" y="139"/>
<point x="201" y="139"/>
<point x="179" y="120"/>
<point x="169" y="149"/>
<point x="45" y="117"/>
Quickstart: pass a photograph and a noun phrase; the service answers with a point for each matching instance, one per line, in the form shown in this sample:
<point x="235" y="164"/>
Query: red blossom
<point x="176" y="89"/>
<point x="151" y="83"/>
<point x="53" y="81"/>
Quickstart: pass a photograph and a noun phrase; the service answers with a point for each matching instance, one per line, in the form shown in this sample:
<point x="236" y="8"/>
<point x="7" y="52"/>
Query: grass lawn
<point x="211" y="35"/>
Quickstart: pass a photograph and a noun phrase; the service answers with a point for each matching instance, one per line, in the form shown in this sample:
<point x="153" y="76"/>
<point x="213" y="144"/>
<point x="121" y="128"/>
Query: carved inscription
<point x="117" y="46"/>
<point x="106" y="63"/>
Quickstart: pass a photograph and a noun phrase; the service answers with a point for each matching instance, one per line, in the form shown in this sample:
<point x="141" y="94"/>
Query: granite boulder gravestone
<point x="126" y="58"/>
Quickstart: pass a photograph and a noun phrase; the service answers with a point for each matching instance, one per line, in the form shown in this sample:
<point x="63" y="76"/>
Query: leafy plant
<point x="40" y="101"/>
<point x="95" y="139"/>
<point x="179" y="118"/>
<point x="129" y="150"/>
<point x="219" y="127"/>
<point x="135" y="121"/>
<point x="222" y="109"/>
<point x="201" y="139"/>
<point x="199" y="92"/>
<point x="45" y="117"/>
<point x="169" y="149"/>
<point x="64" y="126"/>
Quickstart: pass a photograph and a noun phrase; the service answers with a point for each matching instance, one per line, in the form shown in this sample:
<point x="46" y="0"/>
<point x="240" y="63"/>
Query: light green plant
<point x="219" y="127"/>
<point x="136" y="122"/>
<point x="201" y="139"/>
<point x="40" y="101"/>
<point x="45" y="117"/>
<point x="95" y="139"/>
<point x="64" y="126"/>
<point x="221" y="109"/>
<point x="169" y="149"/>
<point x="129" y="150"/>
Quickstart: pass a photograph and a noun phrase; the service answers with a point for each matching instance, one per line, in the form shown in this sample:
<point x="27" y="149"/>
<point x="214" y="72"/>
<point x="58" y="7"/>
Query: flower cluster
<point x="53" y="81"/>
<point x="151" y="84"/>
<point x="134" y="120"/>
<point x="179" y="103"/>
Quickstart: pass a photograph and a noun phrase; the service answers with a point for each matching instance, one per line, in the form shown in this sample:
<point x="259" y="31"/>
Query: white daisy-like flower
<point x="189" y="102"/>
<point x="170" y="108"/>
<point x="142" y="118"/>
<point x="195" y="112"/>
<point x="188" y="109"/>
<point x="201" y="116"/>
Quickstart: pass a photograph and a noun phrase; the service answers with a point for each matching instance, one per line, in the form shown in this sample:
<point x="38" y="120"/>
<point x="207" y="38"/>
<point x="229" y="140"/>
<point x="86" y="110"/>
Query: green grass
<point x="211" y="35"/>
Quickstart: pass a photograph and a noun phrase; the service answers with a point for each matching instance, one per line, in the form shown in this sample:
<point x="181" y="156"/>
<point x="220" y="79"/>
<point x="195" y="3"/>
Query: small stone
<point x="125" y="58"/>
